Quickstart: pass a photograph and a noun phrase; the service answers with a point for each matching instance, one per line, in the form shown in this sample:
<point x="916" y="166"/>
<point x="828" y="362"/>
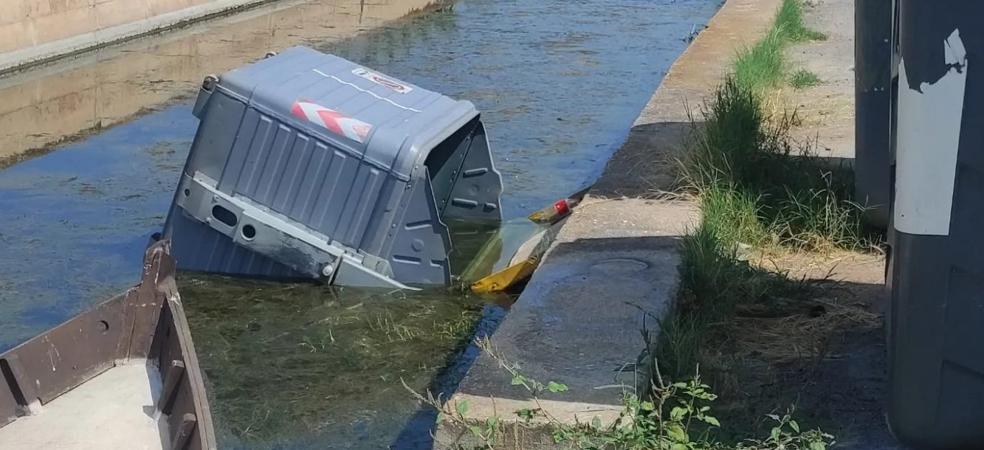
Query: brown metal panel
<point x="172" y="346"/>
<point x="142" y="308"/>
<point x="187" y="394"/>
<point x="145" y="322"/>
<point x="68" y="355"/>
<point x="9" y="405"/>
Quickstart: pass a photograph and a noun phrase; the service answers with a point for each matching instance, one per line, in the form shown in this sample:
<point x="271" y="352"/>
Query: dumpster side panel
<point x="475" y="196"/>
<point x="199" y="248"/>
<point x="422" y="242"/>
<point x="936" y="362"/>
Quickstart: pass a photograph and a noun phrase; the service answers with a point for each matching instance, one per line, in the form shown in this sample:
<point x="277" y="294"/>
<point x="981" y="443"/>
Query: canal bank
<point x="613" y="271"/>
<point x="34" y="32"/>
<point x="70" y="99"/>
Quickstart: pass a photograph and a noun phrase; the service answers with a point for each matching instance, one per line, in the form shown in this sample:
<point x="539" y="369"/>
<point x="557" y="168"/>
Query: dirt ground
<point x="827" y="109"/>
<point x="824" y="354"/>
<point x="830" y="358"/>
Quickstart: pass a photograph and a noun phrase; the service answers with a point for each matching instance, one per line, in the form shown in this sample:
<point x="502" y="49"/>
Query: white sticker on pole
<point x="382" y="80"/>
<point x="928" y="140"/>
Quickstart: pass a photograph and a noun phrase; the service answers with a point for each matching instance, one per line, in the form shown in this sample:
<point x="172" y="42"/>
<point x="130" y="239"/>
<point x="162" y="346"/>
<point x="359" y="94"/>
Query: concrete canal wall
<point x="61" y="101"/>
<point x="33" y="31"/>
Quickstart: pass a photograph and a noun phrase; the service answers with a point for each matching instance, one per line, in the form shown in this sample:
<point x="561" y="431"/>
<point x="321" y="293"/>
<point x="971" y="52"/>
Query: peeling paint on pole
<point x="929" y="120"/>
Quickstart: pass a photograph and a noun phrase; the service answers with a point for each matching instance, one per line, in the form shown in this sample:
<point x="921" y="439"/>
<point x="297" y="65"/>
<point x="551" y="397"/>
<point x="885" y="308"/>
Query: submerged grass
<point x="288" y="364"/>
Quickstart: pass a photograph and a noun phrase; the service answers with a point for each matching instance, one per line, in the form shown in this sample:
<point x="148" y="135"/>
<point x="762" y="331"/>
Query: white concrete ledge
<point x="39" y="54"/>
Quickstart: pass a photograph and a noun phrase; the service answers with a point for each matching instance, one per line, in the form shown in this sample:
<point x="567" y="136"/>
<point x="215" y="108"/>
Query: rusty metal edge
<point x="168" y="286"/>
<point x="124" y="327"/>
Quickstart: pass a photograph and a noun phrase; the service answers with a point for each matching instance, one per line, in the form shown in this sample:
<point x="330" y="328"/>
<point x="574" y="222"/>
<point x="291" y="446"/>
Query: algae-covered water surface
<point x="294" y="365"/>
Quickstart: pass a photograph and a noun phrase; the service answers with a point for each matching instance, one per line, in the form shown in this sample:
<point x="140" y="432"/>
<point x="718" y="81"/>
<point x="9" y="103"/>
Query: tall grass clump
<point x="757" y="187"/>
<point x="715" y="279"/>
<point x="759" y="191"/>
<point x="789" y="20"/>
<point x="763" y="64"/>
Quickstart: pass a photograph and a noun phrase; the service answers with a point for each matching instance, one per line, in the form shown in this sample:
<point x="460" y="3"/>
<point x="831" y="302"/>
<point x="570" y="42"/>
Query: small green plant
<point x="762" y="65"/>
<point x="789" y="20"/>
<point x="786" y="435"/>
<point x="671" y="416"/>
<point x="803" y="79"/>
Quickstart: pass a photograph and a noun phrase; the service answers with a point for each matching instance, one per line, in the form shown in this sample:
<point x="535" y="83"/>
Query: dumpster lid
<point x="385" y="120"/>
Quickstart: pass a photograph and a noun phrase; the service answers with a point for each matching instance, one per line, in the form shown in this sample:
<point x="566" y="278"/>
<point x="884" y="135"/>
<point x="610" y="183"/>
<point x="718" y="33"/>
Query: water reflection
<point x="73" y="223"/>
<point x="46" y="106"/>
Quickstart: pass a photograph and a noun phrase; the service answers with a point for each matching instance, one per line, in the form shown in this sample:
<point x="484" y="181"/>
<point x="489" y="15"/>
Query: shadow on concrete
<point x="648" y="162"/>
<point x="579" y="323"/>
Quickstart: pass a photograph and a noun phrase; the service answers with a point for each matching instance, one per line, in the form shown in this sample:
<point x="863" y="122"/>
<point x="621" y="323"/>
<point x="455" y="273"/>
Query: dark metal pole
<point x="936" y="318"/>
<point x="872" y="95"/>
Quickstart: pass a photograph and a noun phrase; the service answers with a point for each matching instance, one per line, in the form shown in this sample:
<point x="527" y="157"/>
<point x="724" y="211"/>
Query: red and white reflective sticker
<point x="334" y="121"/>
<point x="382" y="80"/>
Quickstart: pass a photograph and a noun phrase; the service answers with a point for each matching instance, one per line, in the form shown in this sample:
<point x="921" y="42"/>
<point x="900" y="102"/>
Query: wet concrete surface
<point x="558" y="83"/>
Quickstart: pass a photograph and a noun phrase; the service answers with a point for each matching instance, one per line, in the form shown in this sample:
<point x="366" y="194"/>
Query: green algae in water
<point x="295" y="365"/>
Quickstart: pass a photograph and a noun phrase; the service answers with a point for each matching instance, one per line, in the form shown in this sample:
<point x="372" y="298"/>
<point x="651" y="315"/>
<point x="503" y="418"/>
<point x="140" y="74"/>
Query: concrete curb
<point x="40" y="54"/>
<point x="614" y="268"/>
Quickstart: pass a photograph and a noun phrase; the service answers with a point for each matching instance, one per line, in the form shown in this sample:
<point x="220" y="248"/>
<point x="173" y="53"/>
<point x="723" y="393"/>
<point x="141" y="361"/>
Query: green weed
<point x="756" y="187"/>
<point x="763" y="65"/>
<point x="803" y="79"/>
<point x="789" y="20"/>
<point x="669" y="416"/>
<point x="758" y="190"/>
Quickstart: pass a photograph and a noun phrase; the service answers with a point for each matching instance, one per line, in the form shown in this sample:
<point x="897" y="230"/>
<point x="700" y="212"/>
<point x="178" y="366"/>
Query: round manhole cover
<point x="620" y="265"/>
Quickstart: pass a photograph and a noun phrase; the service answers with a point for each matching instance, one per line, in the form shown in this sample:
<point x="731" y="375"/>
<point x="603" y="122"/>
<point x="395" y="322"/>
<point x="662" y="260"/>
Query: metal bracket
<point x="277" y="237"/>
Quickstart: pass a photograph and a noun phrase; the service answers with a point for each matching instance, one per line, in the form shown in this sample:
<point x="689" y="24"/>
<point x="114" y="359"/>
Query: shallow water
<point x="302" y="365"/>
<point x="559" y="83"/>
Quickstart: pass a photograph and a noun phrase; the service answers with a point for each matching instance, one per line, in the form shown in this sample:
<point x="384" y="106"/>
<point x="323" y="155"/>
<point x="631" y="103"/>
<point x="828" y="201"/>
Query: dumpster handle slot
<point x="265" y="232"/>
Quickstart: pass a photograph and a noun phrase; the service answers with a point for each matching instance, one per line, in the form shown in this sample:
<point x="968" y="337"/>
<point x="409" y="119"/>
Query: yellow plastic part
<point x="505" y="278"/>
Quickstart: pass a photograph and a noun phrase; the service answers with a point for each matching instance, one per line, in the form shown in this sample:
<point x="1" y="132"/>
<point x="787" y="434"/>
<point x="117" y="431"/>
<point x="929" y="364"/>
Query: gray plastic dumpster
<point x="873" y="21"/>
<point x="936" y="319"/>
<point x="306" y="165"/>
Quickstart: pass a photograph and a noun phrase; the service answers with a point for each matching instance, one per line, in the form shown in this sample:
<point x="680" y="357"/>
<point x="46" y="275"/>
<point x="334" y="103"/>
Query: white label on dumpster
<point x="382" y="80"/>
<point x="928" y="140"/>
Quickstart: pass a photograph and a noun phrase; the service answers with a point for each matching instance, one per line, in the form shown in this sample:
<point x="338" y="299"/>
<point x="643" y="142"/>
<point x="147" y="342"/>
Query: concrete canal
<point x="290" y="365"/>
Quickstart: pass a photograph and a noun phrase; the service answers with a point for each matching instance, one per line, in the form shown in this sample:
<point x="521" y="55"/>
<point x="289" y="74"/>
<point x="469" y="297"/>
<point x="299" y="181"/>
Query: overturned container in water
<point x="306" y="165"/>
